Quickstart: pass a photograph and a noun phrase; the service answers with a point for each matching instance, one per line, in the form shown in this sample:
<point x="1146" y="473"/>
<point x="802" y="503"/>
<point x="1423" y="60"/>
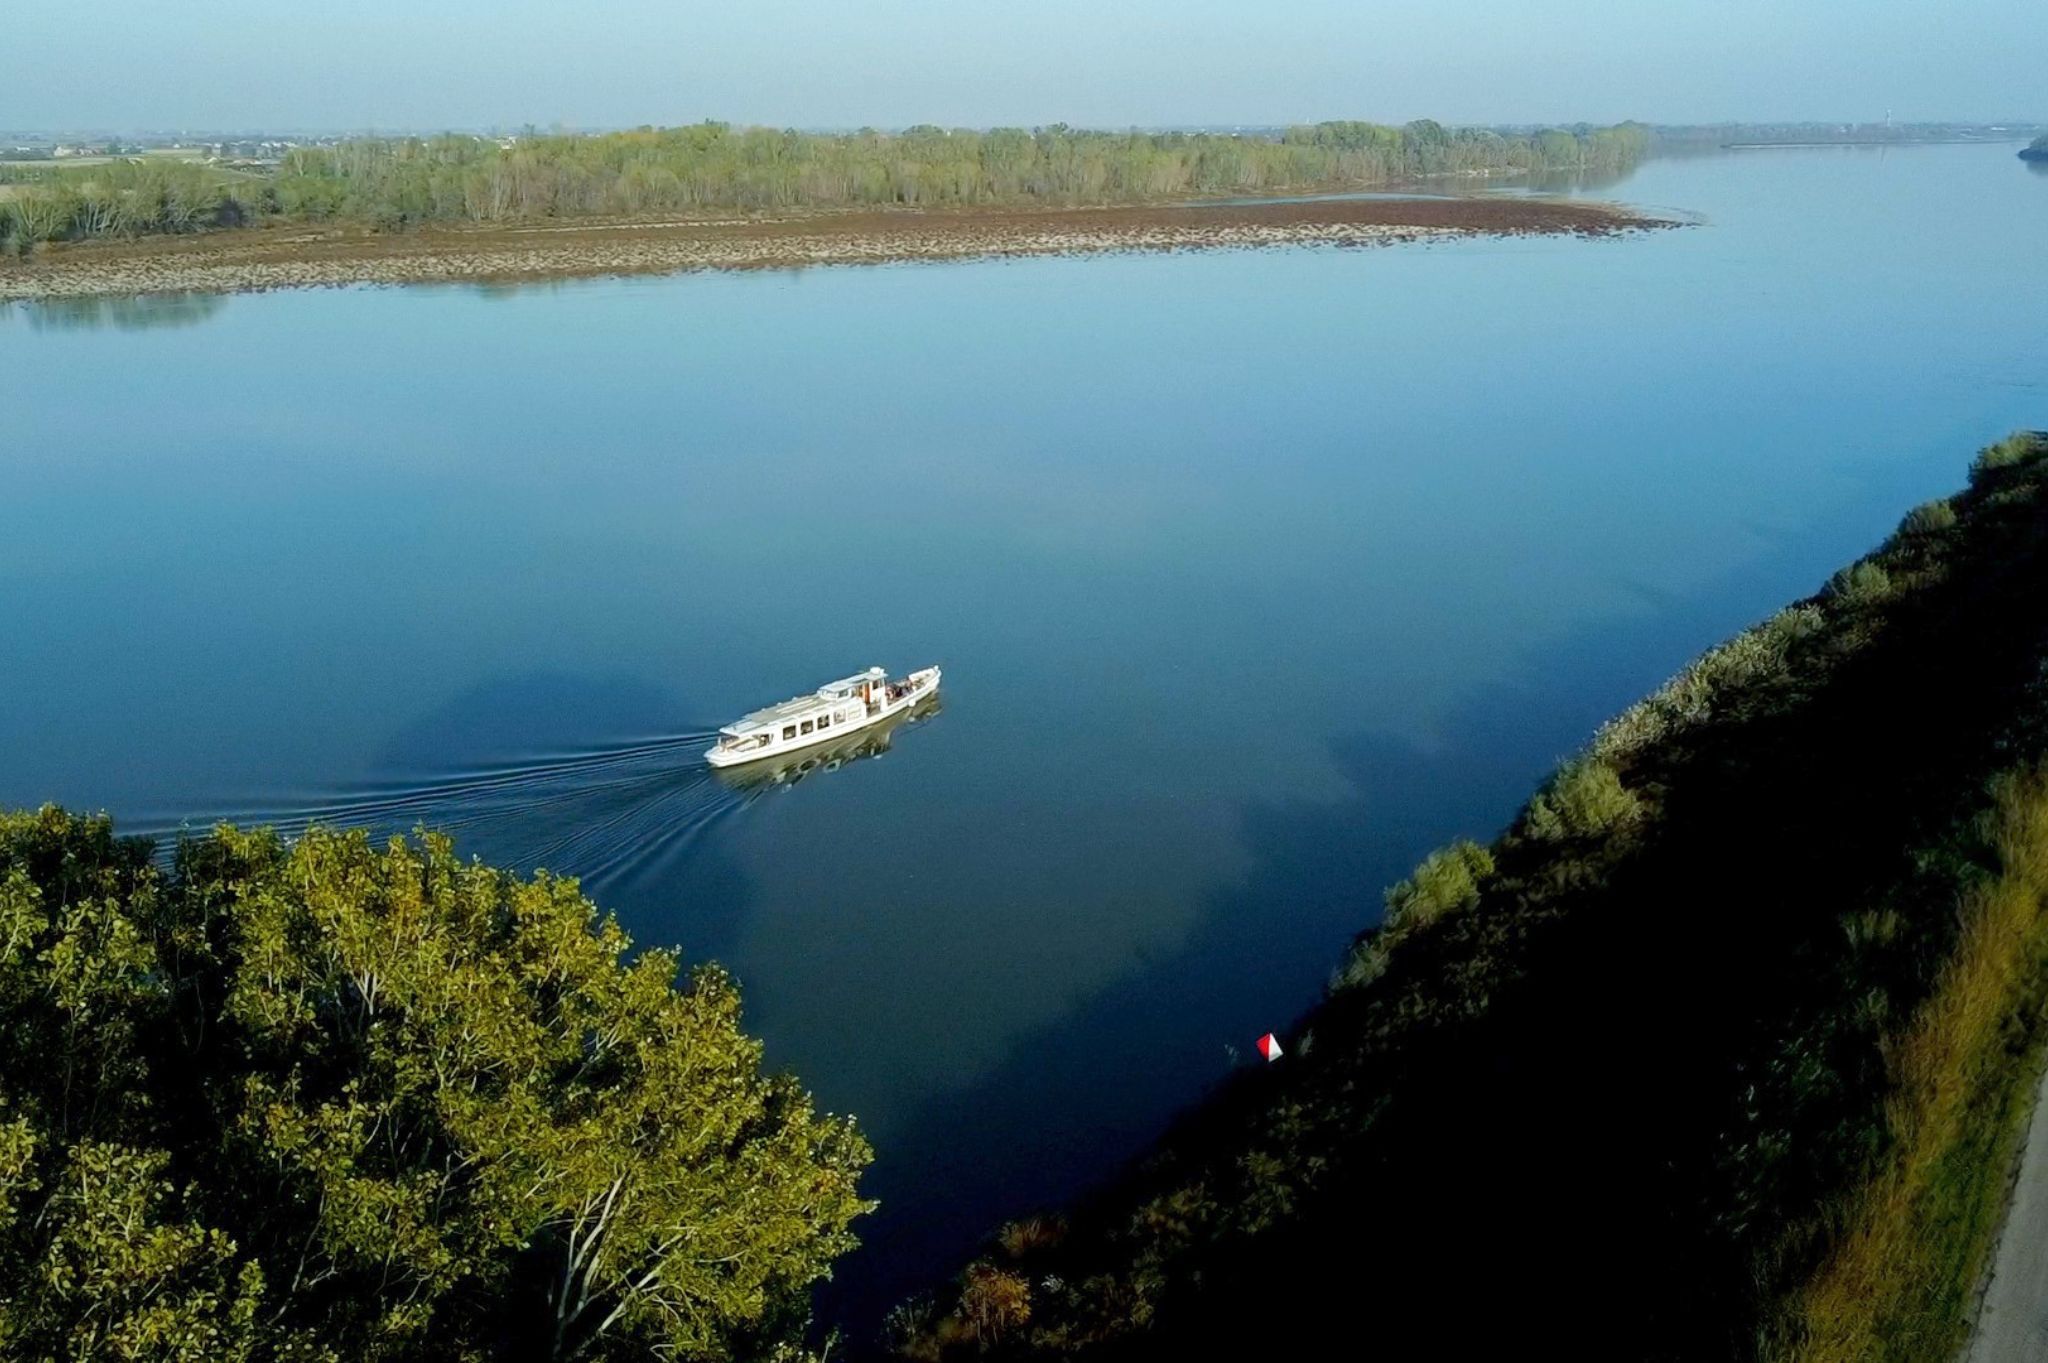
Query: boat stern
<point x="734" y="747"/>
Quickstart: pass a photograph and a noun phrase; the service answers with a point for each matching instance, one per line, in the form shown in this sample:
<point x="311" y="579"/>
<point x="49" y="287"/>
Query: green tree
<point x="336" y="1101"/>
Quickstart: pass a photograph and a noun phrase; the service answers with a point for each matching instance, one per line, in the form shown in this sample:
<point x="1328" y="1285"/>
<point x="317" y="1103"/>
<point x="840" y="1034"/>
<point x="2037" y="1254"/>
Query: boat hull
<point x="922" y="686"/>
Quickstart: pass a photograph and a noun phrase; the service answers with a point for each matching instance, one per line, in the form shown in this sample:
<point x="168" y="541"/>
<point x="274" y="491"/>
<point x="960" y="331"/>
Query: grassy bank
<point x="1677" y="1065"/>
<point x="1916" y="1240"/>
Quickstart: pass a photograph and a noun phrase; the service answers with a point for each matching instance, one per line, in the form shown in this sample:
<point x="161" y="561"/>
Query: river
<point x="1255" y="575"/>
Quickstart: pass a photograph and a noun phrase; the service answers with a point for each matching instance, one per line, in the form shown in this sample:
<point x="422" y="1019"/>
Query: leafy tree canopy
<point x="331" y="1101"/>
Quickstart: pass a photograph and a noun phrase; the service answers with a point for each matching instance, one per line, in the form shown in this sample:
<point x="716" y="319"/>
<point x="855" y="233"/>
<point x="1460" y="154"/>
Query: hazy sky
<point x="403" y="64"/>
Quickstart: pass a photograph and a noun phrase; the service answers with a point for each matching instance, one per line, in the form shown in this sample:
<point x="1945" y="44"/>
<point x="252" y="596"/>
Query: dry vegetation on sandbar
<point x="281" y="257"/>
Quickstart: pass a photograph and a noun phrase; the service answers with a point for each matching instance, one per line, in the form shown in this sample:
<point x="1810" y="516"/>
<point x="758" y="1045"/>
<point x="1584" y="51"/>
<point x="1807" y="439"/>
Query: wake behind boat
<point x="835" y="708"/>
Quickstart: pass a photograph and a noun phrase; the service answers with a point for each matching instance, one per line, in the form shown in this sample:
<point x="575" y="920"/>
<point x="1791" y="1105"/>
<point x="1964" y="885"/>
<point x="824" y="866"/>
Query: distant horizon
<point x="468" y="64"/>
<point x="85" y="131"/>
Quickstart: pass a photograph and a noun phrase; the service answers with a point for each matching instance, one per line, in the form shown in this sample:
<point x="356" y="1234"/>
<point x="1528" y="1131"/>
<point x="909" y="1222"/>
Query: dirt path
<point x="297" y="256"/>
<point x="2012" y="1320"/>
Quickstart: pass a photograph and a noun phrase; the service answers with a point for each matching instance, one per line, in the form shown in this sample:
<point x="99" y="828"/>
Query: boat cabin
<point x="794" y="723"/>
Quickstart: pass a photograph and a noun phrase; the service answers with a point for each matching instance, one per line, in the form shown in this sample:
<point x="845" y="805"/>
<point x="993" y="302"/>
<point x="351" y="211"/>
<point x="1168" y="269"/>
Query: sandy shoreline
<point x="282" y="257"/>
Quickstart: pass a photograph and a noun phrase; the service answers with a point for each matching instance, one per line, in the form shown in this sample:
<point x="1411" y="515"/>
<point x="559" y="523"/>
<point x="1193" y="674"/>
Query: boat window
<point x="807" y="726"/>
<point x="824" y="721"/>
<point x="789" y="731"/>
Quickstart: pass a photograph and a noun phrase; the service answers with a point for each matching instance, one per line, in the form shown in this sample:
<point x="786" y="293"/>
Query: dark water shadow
<point x="1079" y="1097"/>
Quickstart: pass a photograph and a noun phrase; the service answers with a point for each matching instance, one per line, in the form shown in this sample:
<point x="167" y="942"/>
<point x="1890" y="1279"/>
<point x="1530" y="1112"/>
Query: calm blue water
<point x="1254" y="576"/>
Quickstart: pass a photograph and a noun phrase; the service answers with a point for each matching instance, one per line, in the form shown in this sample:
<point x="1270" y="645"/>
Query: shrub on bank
<point x="1448" y="879"/>
<point x="1756" y="655"/>
<point x="1929" y="518"/>
<point x="2015" y="449"/>
<point x="1584" y="800"/>
<point x="1364" y="961"/>
<point x="1861" y="584"/>
<point x="1032" y="1235"/>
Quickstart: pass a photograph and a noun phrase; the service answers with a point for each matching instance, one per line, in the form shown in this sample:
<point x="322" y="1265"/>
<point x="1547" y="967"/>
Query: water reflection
<point x="1574" y="181"/>
<point x="498" y="290"/>
<point x="756" y="778"/>
<point x="136" y="312"/>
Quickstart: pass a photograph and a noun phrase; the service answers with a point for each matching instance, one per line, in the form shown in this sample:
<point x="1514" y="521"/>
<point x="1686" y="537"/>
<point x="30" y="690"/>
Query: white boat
<point x="854" y="745"/>
<point x="835" y="708"/>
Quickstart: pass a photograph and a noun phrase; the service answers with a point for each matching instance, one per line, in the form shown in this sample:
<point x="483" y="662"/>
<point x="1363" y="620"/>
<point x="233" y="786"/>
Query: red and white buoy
<point x="1269" y="1046"/>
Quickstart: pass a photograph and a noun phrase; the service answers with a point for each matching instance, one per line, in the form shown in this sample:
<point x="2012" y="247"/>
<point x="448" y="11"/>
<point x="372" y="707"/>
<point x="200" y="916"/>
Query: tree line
<point x="335" y="1102"/>
<point x="124" y="198"/>
<point x="395" y="183"/>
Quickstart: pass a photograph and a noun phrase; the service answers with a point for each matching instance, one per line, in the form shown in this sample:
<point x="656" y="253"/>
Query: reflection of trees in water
<point x="1572" y="181"/>
<point x="2038" y="167"/>
<point x="495" y="289"/>
<point x="132" y="312"/>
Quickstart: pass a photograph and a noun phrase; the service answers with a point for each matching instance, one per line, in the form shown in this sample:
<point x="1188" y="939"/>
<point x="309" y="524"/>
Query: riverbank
<point x="295" y="257"/>
<point x="1723" y="1044"/>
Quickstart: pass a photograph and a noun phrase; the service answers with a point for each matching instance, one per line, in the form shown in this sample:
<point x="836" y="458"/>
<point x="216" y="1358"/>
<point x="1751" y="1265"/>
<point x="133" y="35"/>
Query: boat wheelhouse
<point x="835" y="708"/>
